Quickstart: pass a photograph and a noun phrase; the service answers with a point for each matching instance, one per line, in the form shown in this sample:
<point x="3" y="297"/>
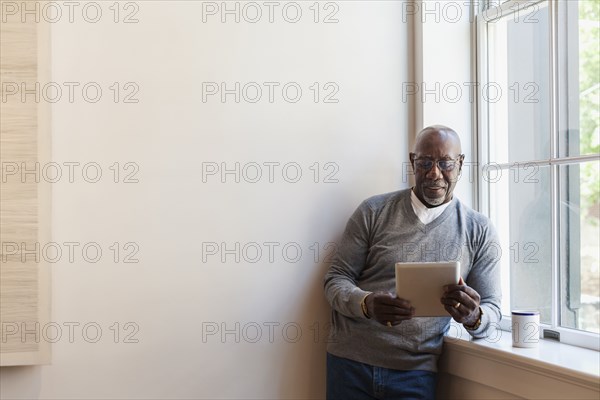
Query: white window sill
<point x="550" y="357"/>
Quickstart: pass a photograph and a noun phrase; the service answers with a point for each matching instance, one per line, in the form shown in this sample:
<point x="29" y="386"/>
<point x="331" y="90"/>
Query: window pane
<point x="582" y="134"/>
<point x="520" y="209"/>
<point x="580" y="246"/>
<point x="517" y="94"/>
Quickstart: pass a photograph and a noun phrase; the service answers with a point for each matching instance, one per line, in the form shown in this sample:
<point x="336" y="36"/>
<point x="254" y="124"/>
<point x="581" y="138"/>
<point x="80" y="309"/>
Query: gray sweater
<point x="382" y="231"/>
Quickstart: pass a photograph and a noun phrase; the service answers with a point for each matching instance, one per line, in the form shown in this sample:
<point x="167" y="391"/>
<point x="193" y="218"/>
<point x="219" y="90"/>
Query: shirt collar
<point x="425" y="214"/>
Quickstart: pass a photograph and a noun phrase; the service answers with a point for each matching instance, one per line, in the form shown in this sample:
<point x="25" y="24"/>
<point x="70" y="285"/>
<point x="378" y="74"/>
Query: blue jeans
<point x="350" y="380"/>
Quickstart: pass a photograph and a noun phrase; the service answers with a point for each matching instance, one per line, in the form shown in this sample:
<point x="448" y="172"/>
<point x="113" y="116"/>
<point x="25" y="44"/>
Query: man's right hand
<point x="384" y="307"/>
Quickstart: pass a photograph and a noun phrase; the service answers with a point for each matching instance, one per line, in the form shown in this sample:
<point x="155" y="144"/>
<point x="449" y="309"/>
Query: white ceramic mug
<point x="525" y="328"/>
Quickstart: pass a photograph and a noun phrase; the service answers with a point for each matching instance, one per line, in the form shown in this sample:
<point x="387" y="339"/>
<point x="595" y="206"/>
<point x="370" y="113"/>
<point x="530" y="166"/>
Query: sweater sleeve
<point x="341" y="289"/>
<point x="485" y="278"/>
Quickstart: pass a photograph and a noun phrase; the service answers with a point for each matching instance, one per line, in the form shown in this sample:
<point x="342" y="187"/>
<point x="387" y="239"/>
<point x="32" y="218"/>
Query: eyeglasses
<point x="426" y="164"/>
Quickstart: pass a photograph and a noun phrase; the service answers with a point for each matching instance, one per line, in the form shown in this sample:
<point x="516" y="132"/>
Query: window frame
<point x="490" y="12"/>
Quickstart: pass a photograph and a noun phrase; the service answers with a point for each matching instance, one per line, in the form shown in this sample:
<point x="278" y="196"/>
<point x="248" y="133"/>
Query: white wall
<point x="171" y="295"/>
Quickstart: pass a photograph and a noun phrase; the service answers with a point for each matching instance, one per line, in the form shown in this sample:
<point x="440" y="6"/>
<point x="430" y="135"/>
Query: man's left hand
<point x="462" y="302"/>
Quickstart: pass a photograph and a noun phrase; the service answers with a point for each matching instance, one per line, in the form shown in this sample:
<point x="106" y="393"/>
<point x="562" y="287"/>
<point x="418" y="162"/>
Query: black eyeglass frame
<point x="437" y="162"/>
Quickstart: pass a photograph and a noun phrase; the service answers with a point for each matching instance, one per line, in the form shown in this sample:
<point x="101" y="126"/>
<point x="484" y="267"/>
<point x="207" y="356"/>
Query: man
<point x="377" y="349"/>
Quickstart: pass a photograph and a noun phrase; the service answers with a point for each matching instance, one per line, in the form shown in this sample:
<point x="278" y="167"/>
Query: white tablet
<point x="423" y="284"/>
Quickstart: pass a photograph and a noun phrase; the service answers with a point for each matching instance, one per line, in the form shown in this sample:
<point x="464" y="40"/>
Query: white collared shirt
<point x="426" y="215"/>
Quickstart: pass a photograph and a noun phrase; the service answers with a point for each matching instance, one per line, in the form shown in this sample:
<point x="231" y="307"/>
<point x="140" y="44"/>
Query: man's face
<point x="434" y="185"/>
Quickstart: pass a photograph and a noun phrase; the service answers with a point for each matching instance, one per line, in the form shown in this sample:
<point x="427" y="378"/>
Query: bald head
<point x="441" y="133"/>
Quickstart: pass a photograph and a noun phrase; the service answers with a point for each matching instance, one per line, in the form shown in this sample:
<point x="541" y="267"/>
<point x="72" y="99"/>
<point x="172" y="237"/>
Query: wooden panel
<point x="24" y="203"/>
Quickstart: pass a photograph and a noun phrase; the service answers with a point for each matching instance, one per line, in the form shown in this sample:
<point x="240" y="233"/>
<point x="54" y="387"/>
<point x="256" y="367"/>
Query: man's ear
<point x="411" y="157"/>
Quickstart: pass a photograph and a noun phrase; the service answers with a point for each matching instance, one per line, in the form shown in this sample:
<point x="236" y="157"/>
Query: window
<point x="539" y="128"/>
